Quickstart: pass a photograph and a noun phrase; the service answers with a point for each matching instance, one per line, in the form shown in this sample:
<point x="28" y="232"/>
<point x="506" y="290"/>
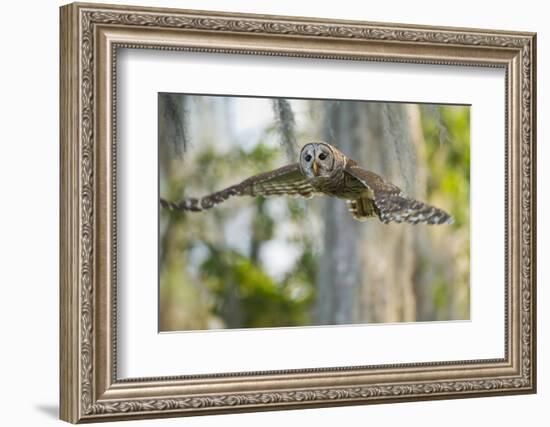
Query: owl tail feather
<point x="400" y="208"/>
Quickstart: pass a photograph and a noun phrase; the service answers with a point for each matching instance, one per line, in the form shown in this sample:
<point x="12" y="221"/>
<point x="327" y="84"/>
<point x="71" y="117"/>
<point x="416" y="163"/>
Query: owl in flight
<point x="324" y="170"/>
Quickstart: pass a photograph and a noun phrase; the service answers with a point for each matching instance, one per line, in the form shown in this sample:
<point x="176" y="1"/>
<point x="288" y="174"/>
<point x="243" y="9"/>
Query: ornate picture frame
<point x="90" y="37"/>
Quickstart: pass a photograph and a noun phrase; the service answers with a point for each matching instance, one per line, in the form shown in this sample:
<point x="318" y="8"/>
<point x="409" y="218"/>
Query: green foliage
<point x="258" y="299"/>
<point x="234" y="284"/>
<point x="440" y="296"/>
<point x="244" y="294"/>
<point x="447" y="140"/>
<point x="447" y="137"/>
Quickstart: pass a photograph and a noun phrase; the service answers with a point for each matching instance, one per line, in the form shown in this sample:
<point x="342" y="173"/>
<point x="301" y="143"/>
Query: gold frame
<point x="90" y="36"/>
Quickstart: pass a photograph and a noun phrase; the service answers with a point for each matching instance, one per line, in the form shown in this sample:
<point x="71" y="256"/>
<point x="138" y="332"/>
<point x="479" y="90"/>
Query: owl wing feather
<point x="285" y="181"/>
<point x="389" y="202"/>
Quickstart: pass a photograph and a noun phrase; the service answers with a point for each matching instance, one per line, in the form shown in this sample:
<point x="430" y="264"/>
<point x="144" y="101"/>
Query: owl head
<point x="319" y="159"/>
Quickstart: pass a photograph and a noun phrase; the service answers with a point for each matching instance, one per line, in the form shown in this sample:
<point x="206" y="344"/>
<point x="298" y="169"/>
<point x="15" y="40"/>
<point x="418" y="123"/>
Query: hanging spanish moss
<point x="396" y="129"/>
<point x="172" y="109"/>
<point x="285" y="125"/>
<point x="433" y="112"/>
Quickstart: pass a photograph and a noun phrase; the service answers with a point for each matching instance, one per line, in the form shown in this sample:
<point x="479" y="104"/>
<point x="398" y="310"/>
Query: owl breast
<point x="339" y="184"/>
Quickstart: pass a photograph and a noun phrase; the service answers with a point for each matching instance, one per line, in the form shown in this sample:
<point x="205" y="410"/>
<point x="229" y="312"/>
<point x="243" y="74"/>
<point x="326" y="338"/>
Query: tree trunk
<point x="367" y="268"/>
<point x="339" y="270"/>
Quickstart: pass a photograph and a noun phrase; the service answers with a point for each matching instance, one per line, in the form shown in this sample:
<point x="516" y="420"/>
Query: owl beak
<point x="314" y="167"/>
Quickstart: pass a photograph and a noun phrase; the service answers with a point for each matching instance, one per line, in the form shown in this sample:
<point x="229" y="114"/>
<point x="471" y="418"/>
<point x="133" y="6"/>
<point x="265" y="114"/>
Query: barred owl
<point x="324" y="170"/>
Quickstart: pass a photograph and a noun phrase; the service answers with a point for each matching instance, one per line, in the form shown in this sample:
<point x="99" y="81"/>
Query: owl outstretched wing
<point x="389" y="203"/>
<point x="285" y="181"/>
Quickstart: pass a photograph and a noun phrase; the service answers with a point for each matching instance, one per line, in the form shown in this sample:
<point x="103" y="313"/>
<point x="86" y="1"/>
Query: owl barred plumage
<point x="324" y="170"/>
<point x="284" y="181"/>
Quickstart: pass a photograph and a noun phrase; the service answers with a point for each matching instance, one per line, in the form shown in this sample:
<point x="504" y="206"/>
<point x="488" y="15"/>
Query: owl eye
<point x="322" y="156"/>
<point x="308" y="157"/>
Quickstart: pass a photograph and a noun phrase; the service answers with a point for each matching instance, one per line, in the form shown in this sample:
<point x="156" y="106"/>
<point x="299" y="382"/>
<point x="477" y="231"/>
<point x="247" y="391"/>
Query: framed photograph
<point x="266" y="212"/>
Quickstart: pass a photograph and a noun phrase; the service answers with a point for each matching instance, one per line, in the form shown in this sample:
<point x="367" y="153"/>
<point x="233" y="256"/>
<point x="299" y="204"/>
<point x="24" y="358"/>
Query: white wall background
<point x="29" y="170"/>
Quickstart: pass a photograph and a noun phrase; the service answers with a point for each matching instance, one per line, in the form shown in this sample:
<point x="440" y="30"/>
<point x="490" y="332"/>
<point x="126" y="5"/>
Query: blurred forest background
<point x="254" y="262"/>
